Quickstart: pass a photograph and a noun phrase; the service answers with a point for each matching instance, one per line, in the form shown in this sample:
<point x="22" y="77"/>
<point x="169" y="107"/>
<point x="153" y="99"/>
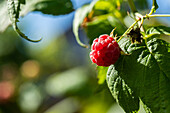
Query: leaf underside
<point x="80" y="14"/>
<point x="16" y="8"/>
<point x="13" y="11"/>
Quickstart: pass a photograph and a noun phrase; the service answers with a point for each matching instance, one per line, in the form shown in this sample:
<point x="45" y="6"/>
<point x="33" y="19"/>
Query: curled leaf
<point x="13" y="11"/>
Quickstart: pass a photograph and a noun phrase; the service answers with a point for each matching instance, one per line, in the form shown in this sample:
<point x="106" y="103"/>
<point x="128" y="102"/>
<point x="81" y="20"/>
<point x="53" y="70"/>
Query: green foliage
<point x="158" y="30"/>
<point x="161" y="32"/>
<point x="103" y="7"/>
<point x="101" y="74"/>
<point x="146" y="72"/>
<point x="80" y="14"/>
<point x="104" y="22"/>
<point x="22" y="1"/>
<point x="141" y="73"/>
<point x="54" y="7"/>
<point x="4" y="21"/>
<point x="121" y="92"/>
<point x="14" y="9"/>
<point x="141" y="4"/>
<point x="96" y="16"/>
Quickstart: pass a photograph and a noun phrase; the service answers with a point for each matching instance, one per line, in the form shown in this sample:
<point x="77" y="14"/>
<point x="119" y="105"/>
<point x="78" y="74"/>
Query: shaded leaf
<point x="22" y="1"/>
<point x="141" y="4"/>
<point x="103" y="18"/>
<point x="146" y="72"/>
<point x="103" y="24"/>
<point x="121" y="92"/>
<point x="54" y="7"/>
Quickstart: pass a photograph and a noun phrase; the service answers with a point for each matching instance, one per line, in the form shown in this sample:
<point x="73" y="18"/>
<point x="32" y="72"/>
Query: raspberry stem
<point x="141" y="18"/>
<point x="129" y="29"/>
<point x="156" y="15"/>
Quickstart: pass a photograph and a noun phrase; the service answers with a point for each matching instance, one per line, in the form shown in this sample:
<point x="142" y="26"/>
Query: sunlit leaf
<point x="159" y="30"/>
<point x="4" y="20"/>
<point x="121" y="92"/>
<point x="146" y="72"/>
<point x="162" y="32"/>
<point x="116" y="3"/>
<point x="103" y="7"/>
<point x="102" y="71"/>
<point x="79" y="17"/>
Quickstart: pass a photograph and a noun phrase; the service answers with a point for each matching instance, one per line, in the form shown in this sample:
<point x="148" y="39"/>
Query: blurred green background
<point x="55" y="78"/>
<point x="56" y="74"/>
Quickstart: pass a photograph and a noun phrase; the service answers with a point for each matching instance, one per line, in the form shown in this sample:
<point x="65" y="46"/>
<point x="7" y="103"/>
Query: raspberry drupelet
<point x="104" y="51"/>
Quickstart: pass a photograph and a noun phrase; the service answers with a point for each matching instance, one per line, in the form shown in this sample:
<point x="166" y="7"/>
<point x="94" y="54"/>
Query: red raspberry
<point x="104" y="51"/>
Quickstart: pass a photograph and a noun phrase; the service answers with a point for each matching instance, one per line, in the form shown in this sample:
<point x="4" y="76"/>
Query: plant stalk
<point x="157" y="15"/>
<point x="128" y="29"/>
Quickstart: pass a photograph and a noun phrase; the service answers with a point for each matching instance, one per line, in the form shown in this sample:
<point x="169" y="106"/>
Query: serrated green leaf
<point x="146" y="72"/>
<point x="122" y="92"/>
<point x="102" y="71"/>
<point x="80" y="14"/>
<point x="159" y="30"/>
